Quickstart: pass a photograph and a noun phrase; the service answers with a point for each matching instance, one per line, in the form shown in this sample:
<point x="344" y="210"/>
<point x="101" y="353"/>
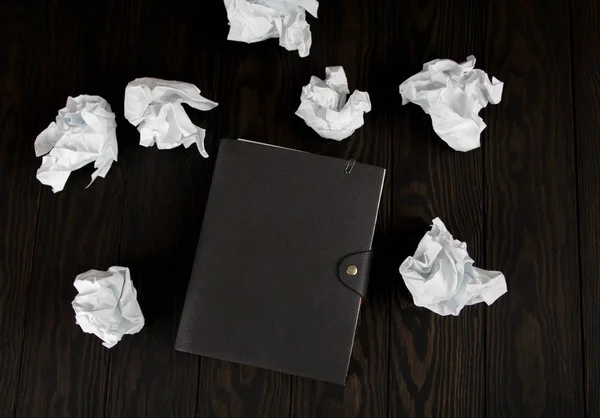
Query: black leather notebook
<point x="283" y="260"/>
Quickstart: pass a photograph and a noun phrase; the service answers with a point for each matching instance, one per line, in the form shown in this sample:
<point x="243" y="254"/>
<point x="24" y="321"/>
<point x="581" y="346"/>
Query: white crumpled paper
<point x="441" y="277"/>
<point x="453" y="94"/>
<point x="84" y="132"/>
<point x="155" y="107"/>
<point x="324" y="108"/>
<point x="106" y="304"/>
<point x="256" y="20"/>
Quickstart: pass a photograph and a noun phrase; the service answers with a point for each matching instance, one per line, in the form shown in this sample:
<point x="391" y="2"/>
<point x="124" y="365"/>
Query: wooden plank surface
<point x="533" y="338"/>
<point x="586" y="84"/>
<point x="63" y="371"/>
<point x="166" y="194"/>
<point x="436" y="363"/>
<point x="19" y="198"/>
<point x="352" y="34"/>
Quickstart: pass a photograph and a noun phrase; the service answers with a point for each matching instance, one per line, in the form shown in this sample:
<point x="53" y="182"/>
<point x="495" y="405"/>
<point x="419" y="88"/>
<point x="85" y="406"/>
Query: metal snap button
<point x="352" y="270"/>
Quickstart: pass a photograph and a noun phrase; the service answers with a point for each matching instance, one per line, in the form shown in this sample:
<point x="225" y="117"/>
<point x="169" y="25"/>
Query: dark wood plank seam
<point x="484" y="250"/>
<point x="26" y="306"/>
<point x="27" y="292"/>
<point x="390" y="178"/>
<point x="390" y="169"/>
<point x="198" y="383"/>
<point x="291" y="398"/>
<point x="109" y="361"/>
<point x="484" y="232"/>
<point x="106" y="380"/>
<point x="577" y="207"/>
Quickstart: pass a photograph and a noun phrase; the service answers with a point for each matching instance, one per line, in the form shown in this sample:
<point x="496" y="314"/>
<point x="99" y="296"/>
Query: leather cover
<point x="269" y="286"/>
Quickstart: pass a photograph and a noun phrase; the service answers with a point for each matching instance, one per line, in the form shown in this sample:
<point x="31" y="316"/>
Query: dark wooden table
<point x="526" y="203"/>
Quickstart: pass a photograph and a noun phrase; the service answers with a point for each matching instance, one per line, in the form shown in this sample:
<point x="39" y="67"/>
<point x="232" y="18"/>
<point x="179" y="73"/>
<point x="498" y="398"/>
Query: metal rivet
<point x="352" y="270"/>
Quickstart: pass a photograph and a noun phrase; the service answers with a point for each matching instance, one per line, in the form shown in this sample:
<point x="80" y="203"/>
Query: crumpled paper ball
<point x="106" y="304"/>
<point x="441" y="277"/>
<point x="256" y="20"/>
<point x="155" y="106"/>
<point x="84" y="132"/>
<point x="453" y="94"/>
<point x="324" y="108"/>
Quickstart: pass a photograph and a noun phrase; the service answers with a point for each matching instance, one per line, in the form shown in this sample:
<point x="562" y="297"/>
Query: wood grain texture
<point x="144" y="367"/>
<point x="586" y="84"/>
<point x="533" y="334"/>
<point x="164" y="205"/>
<point x="63" y="370"/>
<point x="352" y="34"/>
<point x="436" y="363"/>
<point x="19" y="197"/>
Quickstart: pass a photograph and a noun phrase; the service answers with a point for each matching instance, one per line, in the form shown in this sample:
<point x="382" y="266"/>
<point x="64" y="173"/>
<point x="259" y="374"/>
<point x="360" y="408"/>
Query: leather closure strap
<point x="354" y="272"/>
